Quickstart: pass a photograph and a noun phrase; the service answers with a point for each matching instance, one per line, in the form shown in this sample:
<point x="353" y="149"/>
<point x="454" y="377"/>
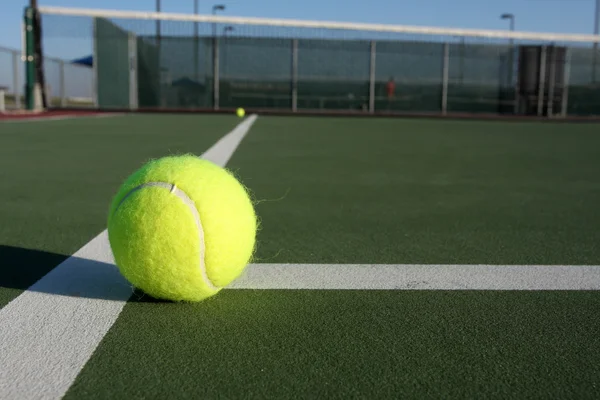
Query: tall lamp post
<point x="511" y="51"/>
<point x="216" y="7"/>
<point x="511" y="42"/>
<point x="196" y="44"/>
<point x="158" y="21"/>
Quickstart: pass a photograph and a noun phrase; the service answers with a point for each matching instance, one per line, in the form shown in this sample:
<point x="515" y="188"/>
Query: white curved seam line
<point x="192" y="206"/>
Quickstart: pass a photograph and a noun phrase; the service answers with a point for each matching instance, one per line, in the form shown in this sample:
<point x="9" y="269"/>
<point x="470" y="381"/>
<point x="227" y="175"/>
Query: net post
<point x="542" y="82"/>
<point x="445" y="73"/>
<point x="215" y="73"/>
<point x="294" y="75"/>
<point x="16" y="84"/>
<point x="61" y="83"/>
<point x="567" y="76"/>
<point x="372" y="68"/>
<point x="30" y="79"/>
<point x="41" y="89"/>
<point x="551" y="78"/>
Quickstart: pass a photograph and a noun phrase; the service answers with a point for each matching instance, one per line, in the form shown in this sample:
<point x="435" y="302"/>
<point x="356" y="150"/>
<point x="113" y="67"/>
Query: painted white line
<point x="419" y="277"/>
<point x="221" y="152"/>
<point x="48" y="333"/>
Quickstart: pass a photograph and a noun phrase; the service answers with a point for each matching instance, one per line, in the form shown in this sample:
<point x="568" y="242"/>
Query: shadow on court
<point x="59" y="274"/>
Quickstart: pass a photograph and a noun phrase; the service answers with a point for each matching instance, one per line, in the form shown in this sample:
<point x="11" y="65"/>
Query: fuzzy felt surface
<point x="158" y="243"/>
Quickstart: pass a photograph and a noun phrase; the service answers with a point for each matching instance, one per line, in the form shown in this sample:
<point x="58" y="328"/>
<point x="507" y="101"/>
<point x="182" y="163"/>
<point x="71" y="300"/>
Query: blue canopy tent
<point x="87" y="61"/>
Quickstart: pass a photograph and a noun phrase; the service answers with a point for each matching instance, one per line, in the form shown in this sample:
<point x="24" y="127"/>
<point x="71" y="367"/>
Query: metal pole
<point x="596" y="32"/>
<point x="30" y="76"/>
<point x="133" y="78"/>
<point x="216" y="58"/>
<point x="95" y="65"/>
<point x="196" y="13"/>
<point x="445" y="73"/>
<point x="461" y="66"/>
<point x="372" y="77"/>
<point x="517" y="96"/>
<point x="551" y="78"/>
<point x="158" y="22"/>
<point x="565" y="95"/>
<point x="295" y="75"/>
<point x="216" y="73"/>
<point x="196" y="43"/>
<point x="161" y="99"/>
<point x="512" y="50"/>
<point x="542" y="82"/>
<point x="61" y="89"/>
<point x="16" y="83"/>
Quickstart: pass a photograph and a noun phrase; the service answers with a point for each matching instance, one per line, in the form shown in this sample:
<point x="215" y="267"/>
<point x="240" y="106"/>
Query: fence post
<point x="372" y="77"/>
<point x="445" y="73"/>
<point x="295" y="75"/>
<point x="94" y="65"/>
<point x="542" y="86"/>
<point x="61" y="89"/>
<point x="517" y="79"/>
<point x="133" y="73"/>
<point x="16" y="80"/>
<point x="551" y="77"/>
<point x="567" y="77"/>
<point x="215" y="73"/>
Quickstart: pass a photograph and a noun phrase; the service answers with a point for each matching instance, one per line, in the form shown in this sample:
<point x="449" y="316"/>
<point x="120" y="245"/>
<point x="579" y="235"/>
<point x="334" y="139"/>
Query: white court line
<point x="47" y="334"/>
<point x="419" y="277"/>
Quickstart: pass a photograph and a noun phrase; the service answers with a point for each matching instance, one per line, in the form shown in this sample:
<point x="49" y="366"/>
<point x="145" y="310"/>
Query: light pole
<point x="511" y="51"/>
<point x="225" y="31"/>
<point x="215" y="47"/>
<point x="217" y="7"/>
<point x="158" y="21"/>
<point x="196" y="40"/>
<point x="511" y="18"/>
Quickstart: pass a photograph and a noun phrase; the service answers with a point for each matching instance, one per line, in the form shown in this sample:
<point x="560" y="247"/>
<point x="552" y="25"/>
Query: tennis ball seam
<point x="173" y="189"/>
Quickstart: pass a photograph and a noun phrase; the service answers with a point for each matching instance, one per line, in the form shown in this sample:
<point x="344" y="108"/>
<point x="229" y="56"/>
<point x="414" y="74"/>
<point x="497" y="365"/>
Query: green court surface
<point x="334" y="190"/>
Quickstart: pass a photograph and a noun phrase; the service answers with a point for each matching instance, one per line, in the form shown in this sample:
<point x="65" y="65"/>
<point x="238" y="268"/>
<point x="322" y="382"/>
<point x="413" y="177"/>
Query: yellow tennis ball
<point x="181" y="228"/>
<point x="241" y="112"/>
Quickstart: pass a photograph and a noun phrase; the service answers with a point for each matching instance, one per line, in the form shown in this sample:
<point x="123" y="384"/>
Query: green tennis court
<point x="343" y="191"/>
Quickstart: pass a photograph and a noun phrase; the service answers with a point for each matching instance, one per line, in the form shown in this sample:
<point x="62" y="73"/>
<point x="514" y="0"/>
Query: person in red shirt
<point x="391" y="88"/>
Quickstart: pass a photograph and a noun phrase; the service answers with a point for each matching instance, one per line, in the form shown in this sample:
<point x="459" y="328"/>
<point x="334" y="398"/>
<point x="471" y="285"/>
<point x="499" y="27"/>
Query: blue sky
<point x="564" y="16"/>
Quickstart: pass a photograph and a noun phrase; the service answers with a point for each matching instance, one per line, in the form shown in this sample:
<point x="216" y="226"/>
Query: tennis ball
<point x="241" y="112"/>
<point x="181" y="228"/>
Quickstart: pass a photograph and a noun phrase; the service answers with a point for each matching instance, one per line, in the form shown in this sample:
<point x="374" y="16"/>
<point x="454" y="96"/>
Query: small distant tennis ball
<point x="241" y="112"/>
<point x="181" y="228"/>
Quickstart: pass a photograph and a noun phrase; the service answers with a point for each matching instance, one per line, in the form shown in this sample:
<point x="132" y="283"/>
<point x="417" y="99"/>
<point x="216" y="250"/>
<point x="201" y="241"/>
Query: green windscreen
<point x="313" y="68"/>
<point x="112" y="64"/>
<point x="333" y="74"/>
<point x="148" y="72"/>
<point x="255" y="73"/>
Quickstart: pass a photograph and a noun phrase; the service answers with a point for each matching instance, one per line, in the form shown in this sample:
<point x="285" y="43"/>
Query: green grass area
<point x="58" y="179"/>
